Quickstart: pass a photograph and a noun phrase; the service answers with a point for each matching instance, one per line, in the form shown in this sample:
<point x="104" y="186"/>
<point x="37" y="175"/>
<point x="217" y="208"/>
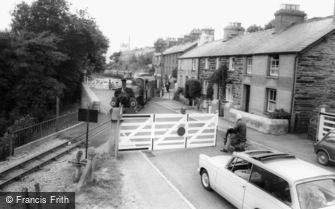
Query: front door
<point x="246" y="97"/>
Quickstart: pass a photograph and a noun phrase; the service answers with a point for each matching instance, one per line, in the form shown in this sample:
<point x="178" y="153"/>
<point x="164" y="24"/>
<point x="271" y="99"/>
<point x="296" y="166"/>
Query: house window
<point x="204" y="87"/>
<point x="217" y="63"/>
<point x="249" y="65"/>
<point x="206" y="63"/>
<point x="271" y="100"/>
<point x="231" y="63"/>
<point x="274" y="65"/>
<point x="194" y="64"/>
<point x="229" y="93"/>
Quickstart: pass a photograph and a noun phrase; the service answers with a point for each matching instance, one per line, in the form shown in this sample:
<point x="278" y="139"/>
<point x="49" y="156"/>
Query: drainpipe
<point x="292" y="119"/>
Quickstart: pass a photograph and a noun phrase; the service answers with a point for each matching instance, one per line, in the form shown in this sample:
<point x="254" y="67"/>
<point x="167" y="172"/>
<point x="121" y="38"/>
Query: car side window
<point x="272" y="184"/>
<point x="240" y="167"/>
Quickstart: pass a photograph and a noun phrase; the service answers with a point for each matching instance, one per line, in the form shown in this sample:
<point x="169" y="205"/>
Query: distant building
<point x="188" y="68"/>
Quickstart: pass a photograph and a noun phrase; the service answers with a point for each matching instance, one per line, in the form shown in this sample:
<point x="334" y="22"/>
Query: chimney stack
<point x="207" y="35"/>
<point x="288" y="15"/>
<point x="232" y="30"/>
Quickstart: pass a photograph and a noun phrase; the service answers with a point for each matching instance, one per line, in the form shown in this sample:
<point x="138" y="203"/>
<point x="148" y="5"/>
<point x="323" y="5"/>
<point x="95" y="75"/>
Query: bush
<point x="192" y="90"/>
<point x="279" y="114"/>
<point x="179" y="91"/>
<point x="210" y="92"/>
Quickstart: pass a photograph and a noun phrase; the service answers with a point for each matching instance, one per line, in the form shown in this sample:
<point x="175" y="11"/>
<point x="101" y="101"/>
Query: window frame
<point x="194" y="65"/>
<point x="274" y="65"/>
<point x="206" y="63"/>
<point x="217" y="64"/>
<point x="229" y="97"/>
<point x="205" y="84"/>
<point x="266" y="191"/>
<point x="248" y="69"/>
<point x="270" y="102"/>
<point x="232" y="63"/>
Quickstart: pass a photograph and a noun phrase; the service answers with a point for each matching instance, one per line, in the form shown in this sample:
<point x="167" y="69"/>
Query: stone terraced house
<point x="170" y="57"/>
<point x="290" y="67"/>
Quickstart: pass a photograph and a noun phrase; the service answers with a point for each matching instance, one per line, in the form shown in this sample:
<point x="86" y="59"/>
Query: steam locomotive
<point x="133" y="94"/>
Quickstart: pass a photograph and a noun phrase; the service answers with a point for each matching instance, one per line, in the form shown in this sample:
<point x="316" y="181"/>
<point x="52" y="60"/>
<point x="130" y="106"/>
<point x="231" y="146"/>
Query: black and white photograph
<point x="167" y="104"/>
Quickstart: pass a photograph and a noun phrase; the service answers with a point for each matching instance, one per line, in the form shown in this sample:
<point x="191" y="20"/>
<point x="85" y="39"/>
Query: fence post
<point x="186" y="130"/>
<point x="40" y="127"/>
<point x="116" y="116"/>
<point x="37" y="194"/>
<point x="26" y="195"/>
<point x="321" y="123"/>
<point x="152" y="131"/>
<point x="57" y="112"/>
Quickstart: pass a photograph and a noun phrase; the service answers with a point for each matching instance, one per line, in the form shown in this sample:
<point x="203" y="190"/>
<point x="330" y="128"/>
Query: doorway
<point x="246" y="91"/>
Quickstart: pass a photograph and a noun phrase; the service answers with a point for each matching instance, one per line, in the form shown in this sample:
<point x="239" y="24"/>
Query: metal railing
<point x="42" y="129"/>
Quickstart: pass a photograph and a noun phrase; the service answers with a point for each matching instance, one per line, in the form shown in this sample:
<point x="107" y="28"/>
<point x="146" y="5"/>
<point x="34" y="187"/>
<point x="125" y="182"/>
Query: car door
<point x="266" y="191"/>
<point x="230" y="183"/>
<point x="329" y="145"/>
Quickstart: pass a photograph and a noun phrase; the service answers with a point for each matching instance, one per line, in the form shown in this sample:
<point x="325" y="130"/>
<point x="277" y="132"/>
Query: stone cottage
<point x="289" y="67"/>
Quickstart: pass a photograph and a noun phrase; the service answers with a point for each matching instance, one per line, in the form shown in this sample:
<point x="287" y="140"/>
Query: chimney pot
<point x="287" y="15"/>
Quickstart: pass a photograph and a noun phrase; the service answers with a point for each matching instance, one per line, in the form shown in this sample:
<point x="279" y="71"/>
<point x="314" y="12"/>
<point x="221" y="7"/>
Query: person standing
<point x="237" y="136"/>
<point x="167" y="86"/>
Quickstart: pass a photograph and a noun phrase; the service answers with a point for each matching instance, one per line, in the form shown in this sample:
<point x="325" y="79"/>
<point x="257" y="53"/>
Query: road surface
<point x="179" y="167"/>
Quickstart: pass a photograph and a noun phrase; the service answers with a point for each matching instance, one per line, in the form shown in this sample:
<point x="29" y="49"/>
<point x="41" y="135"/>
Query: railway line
<point x="16" y="171"/>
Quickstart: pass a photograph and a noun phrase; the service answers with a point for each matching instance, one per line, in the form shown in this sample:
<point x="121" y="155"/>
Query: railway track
<point x="33" y="163"/>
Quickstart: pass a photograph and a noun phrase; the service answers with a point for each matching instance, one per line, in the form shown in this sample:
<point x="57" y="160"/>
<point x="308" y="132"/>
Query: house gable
<point x="315" y="81"/>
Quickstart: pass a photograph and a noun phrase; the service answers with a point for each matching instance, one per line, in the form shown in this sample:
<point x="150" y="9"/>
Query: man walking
<point x="237" y="139"/>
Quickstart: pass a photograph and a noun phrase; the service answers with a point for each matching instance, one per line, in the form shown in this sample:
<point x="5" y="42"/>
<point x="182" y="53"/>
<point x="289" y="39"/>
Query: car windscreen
<point x="316" y="194"/>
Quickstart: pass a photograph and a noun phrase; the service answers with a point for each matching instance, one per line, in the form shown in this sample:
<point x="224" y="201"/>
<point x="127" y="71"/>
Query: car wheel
<point x="323" y="158"/>
<point x="205" y="180"/>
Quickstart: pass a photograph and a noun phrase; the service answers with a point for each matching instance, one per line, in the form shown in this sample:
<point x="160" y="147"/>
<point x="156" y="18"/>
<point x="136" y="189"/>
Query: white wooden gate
<point x="103" y="83"/>
<point x="160" y="131"/>
<point x="326" y="123"/>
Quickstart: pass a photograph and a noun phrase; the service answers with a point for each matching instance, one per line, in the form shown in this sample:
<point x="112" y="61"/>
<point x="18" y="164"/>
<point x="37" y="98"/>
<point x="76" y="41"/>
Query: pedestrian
<point x="167" y="86"/>
<point x="237" y="136"/>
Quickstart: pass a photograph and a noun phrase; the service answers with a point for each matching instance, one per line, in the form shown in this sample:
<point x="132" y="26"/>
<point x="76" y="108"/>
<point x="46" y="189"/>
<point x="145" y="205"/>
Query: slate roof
<point x="180" y="48"/>
<point x="294" y="39"/>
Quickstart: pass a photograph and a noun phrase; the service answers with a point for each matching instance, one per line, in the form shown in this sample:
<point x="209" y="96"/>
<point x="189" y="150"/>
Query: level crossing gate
<point x="326" y="123"/>
<point x="167" y="131"/>
<point x="104" y="83"/>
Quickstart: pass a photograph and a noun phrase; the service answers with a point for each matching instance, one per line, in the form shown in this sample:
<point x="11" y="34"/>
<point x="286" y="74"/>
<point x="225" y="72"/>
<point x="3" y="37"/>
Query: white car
<point x="262" y="179"/>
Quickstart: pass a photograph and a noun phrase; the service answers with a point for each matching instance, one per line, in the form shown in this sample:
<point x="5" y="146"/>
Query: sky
<point x="144" y="21"/>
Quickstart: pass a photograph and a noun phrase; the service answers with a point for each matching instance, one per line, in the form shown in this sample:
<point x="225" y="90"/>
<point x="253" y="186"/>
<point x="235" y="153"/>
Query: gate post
<point x="116" y="116"/>
<point x="152" y="131"/>
<point x="321" y="123"/>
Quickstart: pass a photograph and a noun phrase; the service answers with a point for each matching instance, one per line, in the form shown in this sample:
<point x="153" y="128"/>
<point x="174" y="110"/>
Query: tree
<point x="79" y="39"/>
<point x="269" y="25"/>
<point x="254" y="28"/>
<point x="192" y="90"/>
<point x="160" y="45"/>
<point x="210" y="91"/>
<point x="220" y="77"/>
<point x="43" y="56"/>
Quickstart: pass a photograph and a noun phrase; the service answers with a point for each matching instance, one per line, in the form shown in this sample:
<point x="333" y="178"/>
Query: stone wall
<point x="234" y="77"/>
<point x="315" y="83"/>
